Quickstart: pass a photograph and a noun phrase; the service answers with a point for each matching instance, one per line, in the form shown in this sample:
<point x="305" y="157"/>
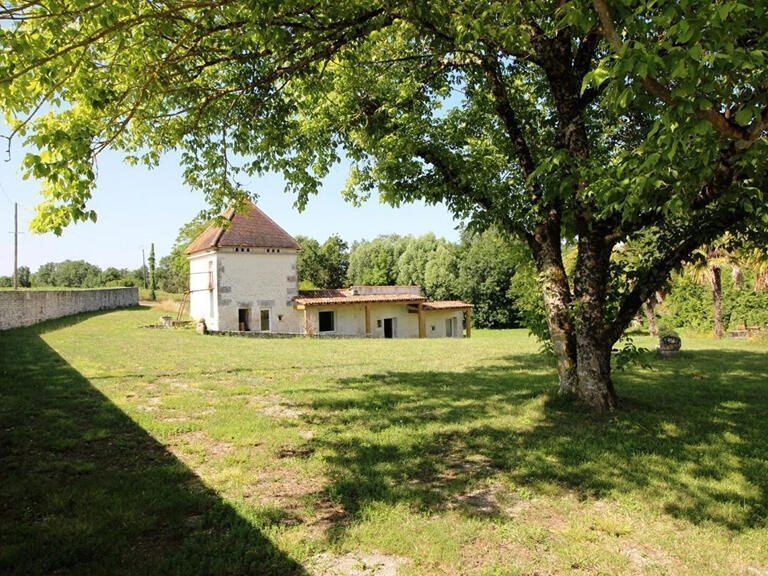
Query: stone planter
<point x="669" y="346"/>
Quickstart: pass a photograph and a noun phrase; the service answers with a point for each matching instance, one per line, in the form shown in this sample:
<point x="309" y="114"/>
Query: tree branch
<point x="744" y="138"/>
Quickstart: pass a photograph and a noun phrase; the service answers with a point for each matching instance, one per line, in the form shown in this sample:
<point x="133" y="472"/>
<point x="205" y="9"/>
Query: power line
<point x="2" y="188"/>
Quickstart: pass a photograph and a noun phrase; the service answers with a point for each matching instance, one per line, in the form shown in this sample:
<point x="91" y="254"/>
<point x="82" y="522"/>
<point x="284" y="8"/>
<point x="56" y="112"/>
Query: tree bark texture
<point x="557" y="300"/>
<point x="593" y="345"/>
<point x="717" y="296"/>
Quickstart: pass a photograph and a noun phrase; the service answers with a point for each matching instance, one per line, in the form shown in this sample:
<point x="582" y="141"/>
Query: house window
<point x="265" y="324"/>
<point x="327" y="321"/>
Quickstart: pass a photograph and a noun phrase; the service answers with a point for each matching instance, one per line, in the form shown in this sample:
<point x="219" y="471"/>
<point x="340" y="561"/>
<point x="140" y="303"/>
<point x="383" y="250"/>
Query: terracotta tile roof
<point x="252" y="229"/>
<point x="347" y="296"/>
<point x="333" y="297"/>
<point x="327" y="293"/>
<point x="446" y="305"/>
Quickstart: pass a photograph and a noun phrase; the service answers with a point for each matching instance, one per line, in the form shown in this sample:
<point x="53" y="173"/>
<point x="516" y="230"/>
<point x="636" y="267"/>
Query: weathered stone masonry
<point x="27" y="307"/>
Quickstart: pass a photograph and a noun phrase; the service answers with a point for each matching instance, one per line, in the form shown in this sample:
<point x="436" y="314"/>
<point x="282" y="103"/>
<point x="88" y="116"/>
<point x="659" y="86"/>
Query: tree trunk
<point x="593" y="342"/>
<point x="650" y="315"/>
<point x="717" y="295"/>
<point x="562" y="337"/>
<point x="557" y="300"/>
<point x="593" y="369"/>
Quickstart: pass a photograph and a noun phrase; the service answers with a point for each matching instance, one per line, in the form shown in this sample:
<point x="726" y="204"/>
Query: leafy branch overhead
<point x="603" y="123"/>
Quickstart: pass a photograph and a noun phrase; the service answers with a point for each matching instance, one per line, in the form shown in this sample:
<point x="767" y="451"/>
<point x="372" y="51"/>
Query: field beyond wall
<point x="139" y="451"/>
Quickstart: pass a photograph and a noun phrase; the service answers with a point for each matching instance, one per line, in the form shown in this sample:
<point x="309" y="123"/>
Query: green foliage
<point x="689" y="304"/>
<point x="525" y="290"/>
<point x="293" y="89"/>
<point x="441" y="272"/>
<point x="176" y="268"/>
<point x="308" y="262"/>
<point x="629" y="354"/>
<point x="81" y="274"/>
<point x="67" y="274"/>
<point x="322" y="266"/>
<point x="24" y="277"/>
<point x="747" y="308"/>
<point x="666" y="327"/>
<point x="412" y="263"/>
<point x="374" y="262"/>
<point x="487" y="264"/>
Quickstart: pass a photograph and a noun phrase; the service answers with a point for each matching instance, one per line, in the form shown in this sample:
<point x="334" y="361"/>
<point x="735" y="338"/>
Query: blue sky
<point x="137" y="206"/>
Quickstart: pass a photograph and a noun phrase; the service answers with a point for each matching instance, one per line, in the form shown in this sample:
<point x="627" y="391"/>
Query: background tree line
<point x="491" y="270"/>
<point x="479" y="269"/>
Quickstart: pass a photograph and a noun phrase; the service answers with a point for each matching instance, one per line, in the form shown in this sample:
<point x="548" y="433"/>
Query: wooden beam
<point x="468" y="321"/>
<point x="367" y="321"/>
<point x="306" y="323"/>
<point x="422" y="326"/>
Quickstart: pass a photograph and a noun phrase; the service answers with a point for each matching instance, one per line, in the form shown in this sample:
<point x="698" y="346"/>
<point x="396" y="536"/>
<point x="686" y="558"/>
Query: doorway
<point x="451" y="327"/>
<point x="389" y="328"/>
<point x="244" y="319"/>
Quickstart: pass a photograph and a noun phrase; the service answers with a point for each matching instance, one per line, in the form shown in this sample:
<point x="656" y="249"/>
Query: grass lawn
<point x="127" y="450"/>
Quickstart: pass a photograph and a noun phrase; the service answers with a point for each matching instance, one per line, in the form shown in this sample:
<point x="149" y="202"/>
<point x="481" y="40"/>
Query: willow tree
<point x="593" y="122"/>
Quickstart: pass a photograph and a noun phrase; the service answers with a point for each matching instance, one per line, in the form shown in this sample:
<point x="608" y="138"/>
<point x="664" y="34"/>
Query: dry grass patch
<point x="356" y="564"/>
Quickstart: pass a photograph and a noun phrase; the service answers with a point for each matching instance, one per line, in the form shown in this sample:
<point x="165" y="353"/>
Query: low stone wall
<point x="27" y="307"/>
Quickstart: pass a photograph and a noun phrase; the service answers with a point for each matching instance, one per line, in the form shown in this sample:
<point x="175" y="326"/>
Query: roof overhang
<point x="304" y="303"/>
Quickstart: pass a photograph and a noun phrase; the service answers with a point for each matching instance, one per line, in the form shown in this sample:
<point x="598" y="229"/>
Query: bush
<point x="747" y="307"/>
<point x="666" y="328"/>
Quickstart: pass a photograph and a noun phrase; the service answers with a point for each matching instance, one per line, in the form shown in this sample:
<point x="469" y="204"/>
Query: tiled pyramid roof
<point x="252" y="229"/>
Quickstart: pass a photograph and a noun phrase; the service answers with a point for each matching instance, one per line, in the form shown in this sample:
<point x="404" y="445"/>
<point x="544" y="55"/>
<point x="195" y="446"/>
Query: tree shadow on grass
<point x="690" y="439"/>
<point x="84" y="490"/>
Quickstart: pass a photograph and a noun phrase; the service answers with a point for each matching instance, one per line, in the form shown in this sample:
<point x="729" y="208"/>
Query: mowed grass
<point x="127" y="450"/>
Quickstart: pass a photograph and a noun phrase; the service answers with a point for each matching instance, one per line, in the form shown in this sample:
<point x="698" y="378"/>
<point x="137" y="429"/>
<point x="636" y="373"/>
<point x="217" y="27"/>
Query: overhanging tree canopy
<point x="633" y="124"/>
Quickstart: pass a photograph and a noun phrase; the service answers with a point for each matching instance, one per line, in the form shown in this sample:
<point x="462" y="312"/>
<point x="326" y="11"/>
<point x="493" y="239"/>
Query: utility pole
<point x="15" y="245"/>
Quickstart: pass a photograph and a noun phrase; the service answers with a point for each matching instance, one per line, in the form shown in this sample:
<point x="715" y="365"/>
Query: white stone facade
<point x="251" y="288"/>
<point x="349" y="320"/>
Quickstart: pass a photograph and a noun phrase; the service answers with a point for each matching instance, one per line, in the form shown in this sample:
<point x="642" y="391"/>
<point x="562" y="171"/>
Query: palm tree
<point x="649" y="307"/>
<point x="706" y="268"/>
<point x="757" y="260"/>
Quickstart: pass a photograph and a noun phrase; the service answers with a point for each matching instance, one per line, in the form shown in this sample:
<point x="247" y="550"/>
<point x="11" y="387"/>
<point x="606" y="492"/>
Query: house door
<point x="388" y="329"/>
<point x="450" y="327"/>
<point x="243" y="319"/>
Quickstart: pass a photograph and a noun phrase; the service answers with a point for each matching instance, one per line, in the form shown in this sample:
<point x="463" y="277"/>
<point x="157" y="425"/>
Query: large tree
<point x="599" y="122"/>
